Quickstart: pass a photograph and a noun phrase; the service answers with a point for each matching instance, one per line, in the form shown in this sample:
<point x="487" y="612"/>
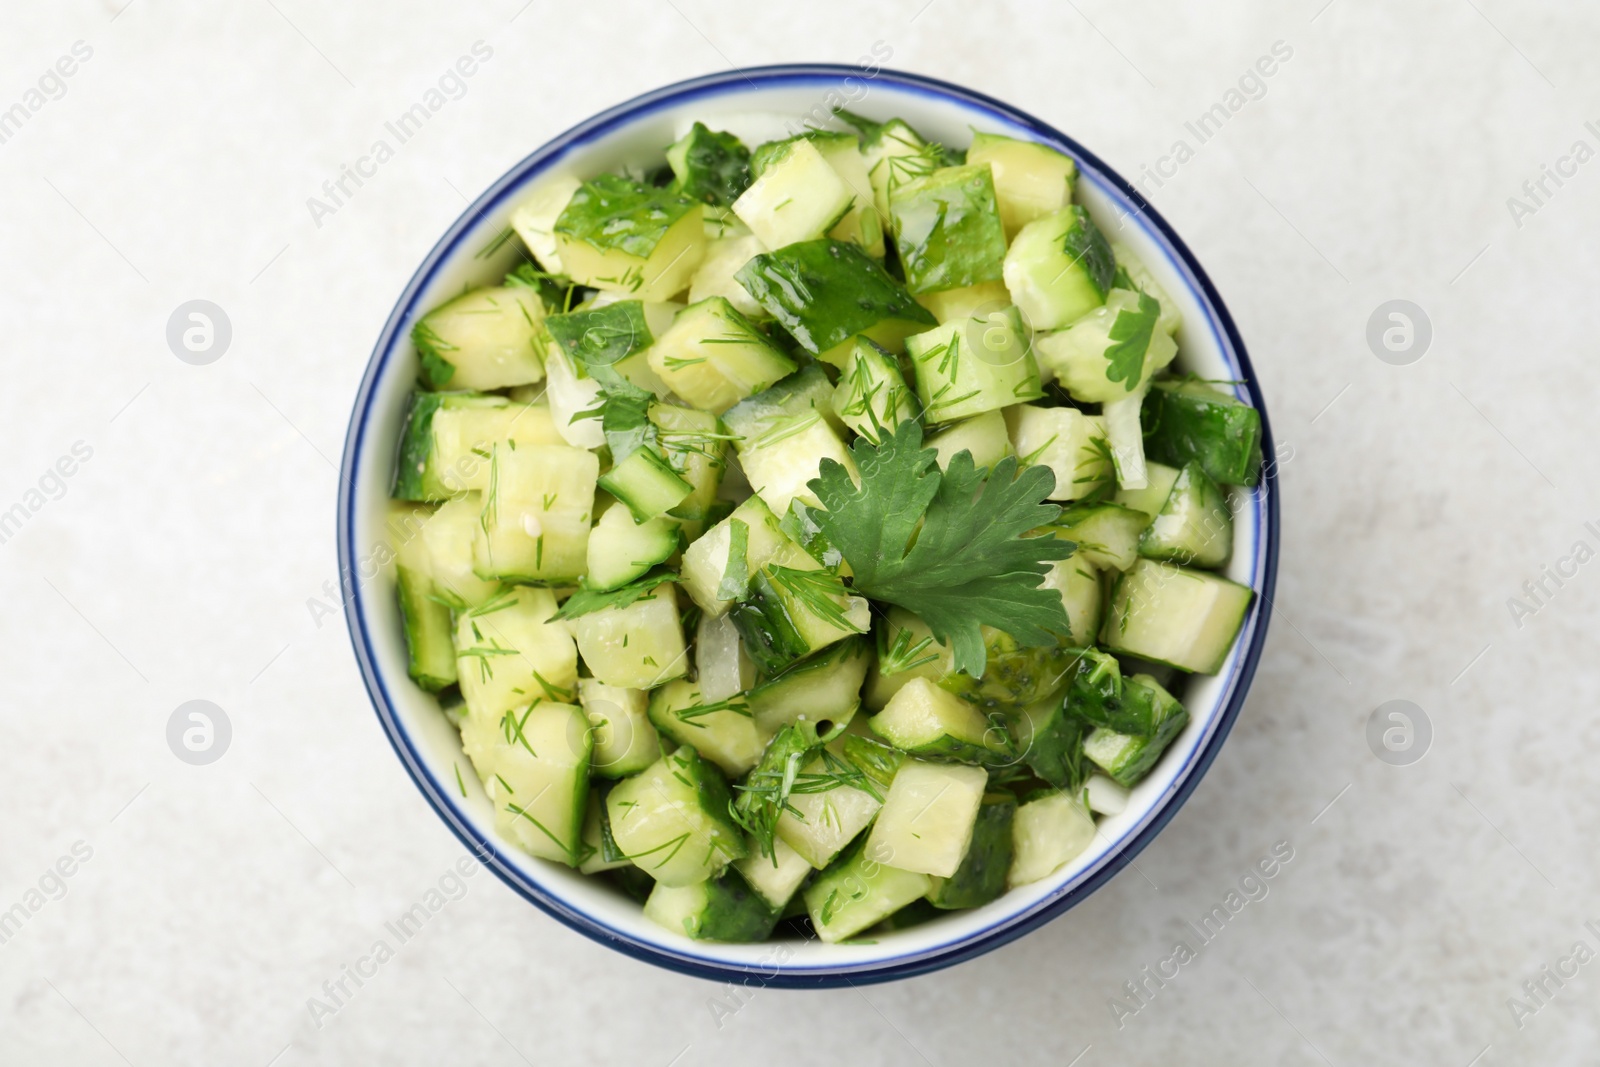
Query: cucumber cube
<point x="925" y="720"/>
<point x="1059" y="268"/>
<point x="1015" y="674"/>
<point x="1127" y="757"/>
<point x="646" y="483"/>
<point x="1104" y="796"/>
<point x="821" y="693"/>
<point x="782" y="461"/>
<point x="1078" y="582"/>
<point x="797" y="197"/>
<point x="1171" y="318"/>
<point x="871" y="391"/>
<point x="982" y="874"/>
<point x="1083" y="355"/>
<point x="1048" y="831"/>
<point x="535" y="218"/>
<point x="622" y="548"/>
<point x="447" y="537"/>
<point x="1107" y="535"/>
<point x="672" y="819"/>
<point x="509" y="652"/>
<point x="861" y="224"/>
<point x="968" y="302"/>
<point x="721" y="667"/>
<point x="1190" y="420"/>
<point x="723" y="908"/>
<point x="723" y="731"/>
<point x="635" y="647"/>
<point x="1052" y="742"/>
<point x="1166" y="614"/>
<point x="536" y="773"/>
<point x="710" y="166"/>
<point x="984" y="437"/>
<point x="445" y="447"/>
<point x="624" y="741"/>
<point x="895" y="153"/>
<point x="430" y="656"/>
<point x="775" y="877"/>
<point x="906" y="650"/>
<point x="1069" y="442"/>
<point x="805" y="392"/>
<point x="1195" y="526"/>
<point x="793" y="611"/>
<point x="819" y="825"/>
<point x="600" y="851"/>
<point x="534" y="527"/>
<point x="624" y="237"/>
<point x="695" y="444"/>
<point x="967" y="368"/>
<point x="1030" y="180"/>
<point x="858" y="891"/>
<point x="713" y="356"/>
<point x="826" y="292"/>
<point x="947" y="229"/>
<point x="1152" y="497"/>
<point x="927" y="817"/>
<point x="705" y="561"/>
<point x="484" y="339"/>
<point x="724" y="257"/>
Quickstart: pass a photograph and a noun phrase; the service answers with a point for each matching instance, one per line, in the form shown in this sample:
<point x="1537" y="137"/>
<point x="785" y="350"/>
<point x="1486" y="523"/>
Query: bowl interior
<point x="760" y="105"/>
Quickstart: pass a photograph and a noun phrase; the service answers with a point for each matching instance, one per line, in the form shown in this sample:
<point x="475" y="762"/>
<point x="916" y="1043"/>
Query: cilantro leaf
<point x="969" y="564"/>
<point x="1130" y="339"/>
<point x="587" y="601"/>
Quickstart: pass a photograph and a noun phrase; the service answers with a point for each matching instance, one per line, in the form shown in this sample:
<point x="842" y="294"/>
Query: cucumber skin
<point x="982" y="874"/>
<point x="947" y="229"/>
<point x="710" y="166"/>
<point x="421" y="619"/>
<point x="787" y="283"/>
<point x="1100" y="696"/>
<point x="1055" y="750"/>
<point x="611" y="212"/>
<point x="1183" y="422"/>
<point x="416" y="447"/>
<point x="734" y="911"/>
<point x="1143" y="752"/>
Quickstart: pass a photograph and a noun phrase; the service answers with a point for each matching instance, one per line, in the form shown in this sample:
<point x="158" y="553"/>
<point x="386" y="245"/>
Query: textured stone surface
<point x="178" y="563"/>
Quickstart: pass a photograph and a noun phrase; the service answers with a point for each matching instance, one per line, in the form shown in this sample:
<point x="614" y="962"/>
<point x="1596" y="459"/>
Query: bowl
<point x="761" y="103"/>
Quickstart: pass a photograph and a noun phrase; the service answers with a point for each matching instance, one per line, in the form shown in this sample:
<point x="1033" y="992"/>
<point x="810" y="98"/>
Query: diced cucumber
<point x="906" y="650"/>
<point x="947" y="229"/>
<point x="967" y="302"/>
<point x="712" y="167"/>
<point x="1128" y="757"/>
<point x="1078" y="582"/>
<point x="646" y="483"/>
<point x="1189" y="420"/>
<point x="968" y="368"/>
<point x="1104" y="796"/>
<point x="1159" y="479"/>
<point x="574" y="399"/>
<point x="705" y="561"/>
<point x="447" y="537"/>
<point x="713" y="356"/>
<point x="805" y="392"/>
<point x="509" y="652"/>
<point x="722" y="669"/>
<point x="861" y="224"/>
<point x="638" y="646"/>
<point x="1107" y="535"/>
<point x="624" y="237"/>
<point x="775" y="877"/>
<point x="536" y="774"/>
<point x="624" y="740"/>
<point x="819" y="825"/>
<point x="793" y="611"/>
<point x="1030" y="179"/>
<point x="622" y="549"/>
<point x="1121" y="338"/>
<point x="895" y="153"/>
<point x="1069" y="442"/>
<point x="1051" y="740"/>
<point x="982" y="874"/>
<point x="534" y="526"/>
<point x="715" y="277"/>
<point x="1186" y="619"/>
<point x="483" y="339"/>
<point x="984" y="436"/>
<point x="797" y="197"/>
<point x="927" y="817"/>
<point x="878" y="761"/>
<point x="1194" y="526"/>
<point x="1059" y="268"/>
<point x="672" y="819"/>
<point x="858" y="891"/>
<point x="721" y="908"/>
<point x="723" y="731"/>
<point x="826" y="292"/>
<point x="430" y="655"/>
<point x="781" y="462"/>
<point x="925" y="720"/>
<point x="1171" y="317"/>
<point x="535" y="218"/>
<point x="1015" y="674"/>
<point x="445" y="448"/>
<point x="599" y="850"/>
<point x="822" y="693"/>
<point x="1048" y="832"/>
<point x="695" y="444"/>
<point x="872" y="394"/>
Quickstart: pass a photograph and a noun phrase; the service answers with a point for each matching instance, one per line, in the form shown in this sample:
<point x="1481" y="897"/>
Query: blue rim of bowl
<point x="1009" y="927"/>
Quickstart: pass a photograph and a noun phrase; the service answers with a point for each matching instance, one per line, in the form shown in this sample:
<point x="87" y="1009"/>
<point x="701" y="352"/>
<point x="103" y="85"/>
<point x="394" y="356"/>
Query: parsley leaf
<point x="1130" y="339"/>
<point x="586" y="601"/>
<point x="969" y="564"/>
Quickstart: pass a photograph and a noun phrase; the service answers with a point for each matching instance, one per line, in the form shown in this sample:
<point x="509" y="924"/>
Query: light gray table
<point x="181" y="557"/>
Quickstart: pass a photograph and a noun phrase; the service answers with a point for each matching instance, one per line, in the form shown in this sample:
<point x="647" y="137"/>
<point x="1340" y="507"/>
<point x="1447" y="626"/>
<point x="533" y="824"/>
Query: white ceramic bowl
<point x="760" y="104"/>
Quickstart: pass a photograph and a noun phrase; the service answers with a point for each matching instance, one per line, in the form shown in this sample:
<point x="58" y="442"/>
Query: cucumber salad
<point x="814" y="536"/>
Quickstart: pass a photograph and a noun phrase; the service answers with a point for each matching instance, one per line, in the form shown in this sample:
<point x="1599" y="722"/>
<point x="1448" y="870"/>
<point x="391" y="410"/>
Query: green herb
<point x="819" y="592"/>
<point x="969" y="565"/>
<point x="586" y="601"/>
<point x="1130" y="336"/>
<point x="556" y="291"/>
<point x="693" y="715"/>
<point x="735" y="583"/>
<point x="902" y="655"/>
<point x="436" y="369"/>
